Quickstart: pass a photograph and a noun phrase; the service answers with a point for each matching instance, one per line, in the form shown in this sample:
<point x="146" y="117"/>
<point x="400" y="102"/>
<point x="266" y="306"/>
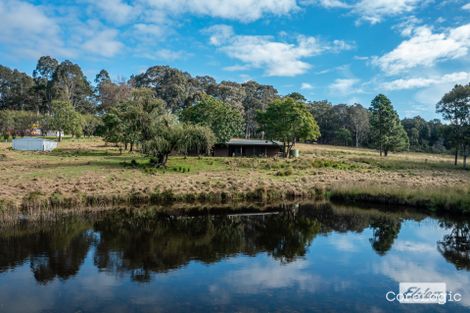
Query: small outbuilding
<point x="33" y="144"/>
<point x="248" y="147"/>
<point x="54" y="133"/>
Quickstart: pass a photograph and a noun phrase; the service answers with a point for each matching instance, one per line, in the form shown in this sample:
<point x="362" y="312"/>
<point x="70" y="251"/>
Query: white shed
<point x="54" y="133"/>
<point x="34" y="144"/>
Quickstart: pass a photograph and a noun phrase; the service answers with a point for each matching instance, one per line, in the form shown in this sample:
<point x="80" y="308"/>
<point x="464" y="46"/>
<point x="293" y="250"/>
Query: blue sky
<point x="342" y="50"/>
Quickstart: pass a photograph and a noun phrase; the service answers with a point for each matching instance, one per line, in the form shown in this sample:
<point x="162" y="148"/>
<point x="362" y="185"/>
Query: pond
<point x="296" y="258"/>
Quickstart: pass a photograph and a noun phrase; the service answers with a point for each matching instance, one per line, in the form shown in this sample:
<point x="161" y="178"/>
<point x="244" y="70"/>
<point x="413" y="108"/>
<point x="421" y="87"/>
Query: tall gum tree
<point x="455" y="108"/>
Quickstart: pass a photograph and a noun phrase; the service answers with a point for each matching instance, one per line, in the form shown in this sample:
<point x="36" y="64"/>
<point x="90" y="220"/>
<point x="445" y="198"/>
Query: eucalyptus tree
<point x="69" y="84"/>
<point x="455" y="108"/>
<point x="43" y="75"/>
<point x="229" y="92"/>
<point x="16" y="90"/>
<point x="358" y="117"/>
<point x="297" y="96"/>
<point x="171" y="85"/>
<point x="257" y="98"/>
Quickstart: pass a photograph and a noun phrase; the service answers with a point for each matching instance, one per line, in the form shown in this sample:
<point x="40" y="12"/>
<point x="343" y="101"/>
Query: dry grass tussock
<point x="87" y="172"/>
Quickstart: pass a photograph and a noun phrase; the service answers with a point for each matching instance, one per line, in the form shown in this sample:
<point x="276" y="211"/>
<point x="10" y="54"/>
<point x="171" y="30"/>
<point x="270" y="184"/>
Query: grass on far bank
<point x="86" y="172"/>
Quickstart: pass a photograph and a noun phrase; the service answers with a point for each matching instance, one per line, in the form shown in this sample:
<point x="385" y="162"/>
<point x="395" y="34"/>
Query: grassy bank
<point x="451" y="200"/>
<point x="87" y="173"/>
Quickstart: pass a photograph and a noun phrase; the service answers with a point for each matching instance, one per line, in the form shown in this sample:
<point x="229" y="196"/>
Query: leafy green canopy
<point x="65" y="119"/>
<point x="387" y="132"/>
<point x="128" y="121"/>
<point x="167" y="135"/>
<point x="455" y="108"/>
<point x="224" y="120"/>
<point x="288" y="120"/>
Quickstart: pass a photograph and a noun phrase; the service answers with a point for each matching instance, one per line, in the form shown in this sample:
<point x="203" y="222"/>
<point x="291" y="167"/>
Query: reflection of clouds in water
<point x="24" y="295"/>
<point x="402" y="270"/>
<point x="350" y="242"/>
<point x="428" y="230"/>
<point x="415" y="247"/>
<point x="273" y="275"/>
<point x="219" y="295"/>
<point x="343" y="244"/>
<point x="99" y="284"/>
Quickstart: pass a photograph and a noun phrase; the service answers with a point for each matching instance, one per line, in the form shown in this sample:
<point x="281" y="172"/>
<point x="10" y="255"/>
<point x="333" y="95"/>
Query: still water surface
<point x="300" y="259"/>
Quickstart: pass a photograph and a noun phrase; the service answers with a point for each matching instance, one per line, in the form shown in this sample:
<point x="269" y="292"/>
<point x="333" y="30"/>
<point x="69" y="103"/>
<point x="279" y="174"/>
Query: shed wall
<point x="33" y="144"/>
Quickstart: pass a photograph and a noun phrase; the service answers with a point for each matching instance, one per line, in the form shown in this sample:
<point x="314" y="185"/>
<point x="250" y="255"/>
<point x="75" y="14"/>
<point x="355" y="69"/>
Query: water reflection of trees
<point x="140" y="243"/>
<point x="455" y="247"/>
<point x="385" y="226"/>
<point x="145" y="244"/>
<point x="54" y="251"/>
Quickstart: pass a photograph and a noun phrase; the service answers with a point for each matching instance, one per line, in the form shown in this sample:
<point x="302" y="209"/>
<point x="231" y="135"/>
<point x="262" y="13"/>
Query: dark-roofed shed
<point x="248" y="147"/>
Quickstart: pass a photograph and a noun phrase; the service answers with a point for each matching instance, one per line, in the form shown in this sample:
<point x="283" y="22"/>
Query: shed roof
<point x="253" y="142"/>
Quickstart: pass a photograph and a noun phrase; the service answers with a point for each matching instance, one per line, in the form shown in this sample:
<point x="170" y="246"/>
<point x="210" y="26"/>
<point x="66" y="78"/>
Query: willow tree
<point x="167" y="135"/>
<point x="387" y="133"/>
<point x="289" y="121"/>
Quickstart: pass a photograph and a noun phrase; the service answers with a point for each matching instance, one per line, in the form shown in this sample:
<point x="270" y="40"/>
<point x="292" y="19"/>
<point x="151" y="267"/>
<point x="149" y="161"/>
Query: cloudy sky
<point x="345" y="51"/>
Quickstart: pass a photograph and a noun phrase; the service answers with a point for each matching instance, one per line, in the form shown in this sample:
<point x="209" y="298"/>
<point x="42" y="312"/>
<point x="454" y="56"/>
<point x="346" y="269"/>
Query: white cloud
<point x="425" y="48"/>
<point x="306" y="86"/>
<point x="277" y="58"/>
<point x="329" y="4"/>
<point x="466" y="6"/>
<point x="149" y="29"/>
<point x="373" y="11"/>
<point x="115" y="10"/>
<point x="25" y="28"/>
<point x="407" y="26"/>
<point x="103" y="43"/>
<point x="420" y="82"/>
<point x="344" y="86"/>
<point x="219" y="34"/>
<point x="242" y="10"/>
<point x="340" y="45"/>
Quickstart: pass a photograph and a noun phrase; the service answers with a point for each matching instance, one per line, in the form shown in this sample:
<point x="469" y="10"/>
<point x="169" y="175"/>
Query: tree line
<point x="58" y="96"/>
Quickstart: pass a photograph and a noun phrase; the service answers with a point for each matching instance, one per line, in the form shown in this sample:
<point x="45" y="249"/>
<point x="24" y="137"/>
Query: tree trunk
<point x="357" y="140"/>
<point x="385" y="152"/>
<point x="465" y="156"/>
<point x="60" y="135"/>
<point x="132" y="147"/>
<point x="456" y="155"/>
<point x="125" y="146"/>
